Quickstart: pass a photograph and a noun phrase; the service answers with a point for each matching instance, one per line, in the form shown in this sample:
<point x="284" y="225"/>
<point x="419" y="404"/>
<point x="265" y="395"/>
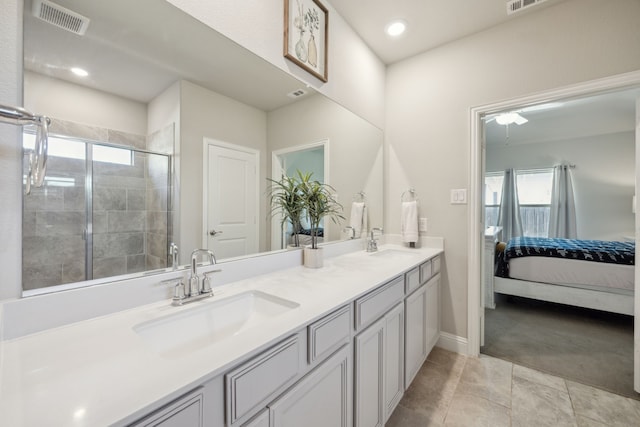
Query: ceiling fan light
<point x="520" y="120"/>
<point x="505" y="118"/>
<point x="509" y="118"/>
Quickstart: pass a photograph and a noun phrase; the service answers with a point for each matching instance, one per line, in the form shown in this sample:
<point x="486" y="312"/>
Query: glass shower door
<point x="103" y="211"/>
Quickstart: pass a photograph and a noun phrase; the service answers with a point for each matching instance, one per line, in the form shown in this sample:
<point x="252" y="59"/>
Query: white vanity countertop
<point x="99" y="372"/>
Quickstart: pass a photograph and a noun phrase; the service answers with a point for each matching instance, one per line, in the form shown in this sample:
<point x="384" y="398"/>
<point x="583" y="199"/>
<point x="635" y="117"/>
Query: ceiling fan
<point x="510" y="117"/>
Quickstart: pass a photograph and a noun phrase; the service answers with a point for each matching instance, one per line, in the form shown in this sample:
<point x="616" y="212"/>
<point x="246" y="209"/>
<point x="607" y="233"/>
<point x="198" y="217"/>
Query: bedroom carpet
<point x="587" y="346"/>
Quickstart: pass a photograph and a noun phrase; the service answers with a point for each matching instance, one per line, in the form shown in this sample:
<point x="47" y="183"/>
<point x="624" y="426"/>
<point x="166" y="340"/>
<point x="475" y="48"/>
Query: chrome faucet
<point x="173" y="251"/>
<point x="196" y="290"/>
<point x="372" y="243"/>
<point x="194" y="281"/>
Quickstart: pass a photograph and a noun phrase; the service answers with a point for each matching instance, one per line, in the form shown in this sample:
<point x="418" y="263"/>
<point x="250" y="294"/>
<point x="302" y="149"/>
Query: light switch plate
<point x="459" y="196"/>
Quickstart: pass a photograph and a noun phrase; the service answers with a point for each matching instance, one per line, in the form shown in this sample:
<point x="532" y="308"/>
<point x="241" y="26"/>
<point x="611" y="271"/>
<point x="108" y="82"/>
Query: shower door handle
<point x="214" y="232"/>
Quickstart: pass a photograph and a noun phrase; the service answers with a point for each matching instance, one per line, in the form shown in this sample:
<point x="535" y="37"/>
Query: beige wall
<point x="204" y="113"/>
<point x="79" y="104"/>
<point x="428" y="98"/>
<point x="355" y="149"/>
<point x="603" y="179"/>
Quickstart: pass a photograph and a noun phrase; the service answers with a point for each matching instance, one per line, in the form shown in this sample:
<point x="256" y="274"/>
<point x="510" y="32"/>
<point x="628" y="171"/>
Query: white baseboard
<point x="453" y="343"/>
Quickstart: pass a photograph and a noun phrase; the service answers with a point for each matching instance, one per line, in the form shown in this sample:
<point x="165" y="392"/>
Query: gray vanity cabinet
<point x="379" y="368"/>
<point x="416" y="333"/>
<point x="322" y="398"/>
<point x="422" y="306"/>
<point x="348" y="368"/>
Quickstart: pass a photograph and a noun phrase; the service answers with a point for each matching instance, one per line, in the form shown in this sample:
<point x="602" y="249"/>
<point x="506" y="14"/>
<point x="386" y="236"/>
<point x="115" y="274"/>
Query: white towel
<point x="409" y="222"/>
<point x="357" y="214"/>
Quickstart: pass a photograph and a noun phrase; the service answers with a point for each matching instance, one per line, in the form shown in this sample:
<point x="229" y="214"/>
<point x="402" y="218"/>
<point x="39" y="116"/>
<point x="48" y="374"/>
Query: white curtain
<point x="509" y="213"/>
<point x="562" y="219"/>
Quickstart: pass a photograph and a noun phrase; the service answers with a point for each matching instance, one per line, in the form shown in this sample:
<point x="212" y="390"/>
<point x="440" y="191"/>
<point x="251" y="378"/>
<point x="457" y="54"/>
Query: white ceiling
<point x="430" y="23"/>
<point x="137" y="49"/>
<point x="600" y="114"/>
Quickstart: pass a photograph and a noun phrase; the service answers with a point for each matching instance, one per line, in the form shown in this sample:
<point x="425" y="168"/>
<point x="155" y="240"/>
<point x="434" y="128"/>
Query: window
<point x="534" y="194"/>
<point x="492" y="197"/>
<point x="76" y="149"/>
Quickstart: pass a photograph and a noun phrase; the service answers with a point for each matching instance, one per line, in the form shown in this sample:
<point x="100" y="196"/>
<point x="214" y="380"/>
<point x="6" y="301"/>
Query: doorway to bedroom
<point x="562" y="172"/>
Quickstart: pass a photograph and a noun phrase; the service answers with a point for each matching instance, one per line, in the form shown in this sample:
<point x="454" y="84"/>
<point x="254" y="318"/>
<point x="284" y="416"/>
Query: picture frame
<point x="306" y="35"/>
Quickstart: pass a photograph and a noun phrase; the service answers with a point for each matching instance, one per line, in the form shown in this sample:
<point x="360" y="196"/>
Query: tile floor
<point x="453" y="390"/>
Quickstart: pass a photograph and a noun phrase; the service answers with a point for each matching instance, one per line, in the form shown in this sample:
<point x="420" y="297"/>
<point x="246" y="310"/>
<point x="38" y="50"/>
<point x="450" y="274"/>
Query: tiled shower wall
<point x="130" y="212"/>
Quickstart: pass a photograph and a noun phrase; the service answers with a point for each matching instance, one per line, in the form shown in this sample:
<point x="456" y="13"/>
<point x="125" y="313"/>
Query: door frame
<point x="277" y="234"/>
<point x="205" y="178"/>
<point x="475" y="213"/>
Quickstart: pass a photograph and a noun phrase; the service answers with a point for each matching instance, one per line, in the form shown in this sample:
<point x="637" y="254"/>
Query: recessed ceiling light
<point x="395" y="28"/>
<point x="79" y="72"/>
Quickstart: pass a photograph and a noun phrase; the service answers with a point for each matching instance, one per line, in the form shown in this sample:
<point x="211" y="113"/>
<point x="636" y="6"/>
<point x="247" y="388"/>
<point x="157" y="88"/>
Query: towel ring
<point x="359" y="197"/>
<point x="412" y="193"/>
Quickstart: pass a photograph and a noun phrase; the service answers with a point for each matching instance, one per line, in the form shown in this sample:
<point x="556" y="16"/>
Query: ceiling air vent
<point x="297" y="93"/>
<point x="514" y="6"/>
<point x="60" y="17"/>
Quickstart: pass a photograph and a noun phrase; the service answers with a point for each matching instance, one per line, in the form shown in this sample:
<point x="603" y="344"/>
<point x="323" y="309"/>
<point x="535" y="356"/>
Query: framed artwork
<point x="306" y="31"/>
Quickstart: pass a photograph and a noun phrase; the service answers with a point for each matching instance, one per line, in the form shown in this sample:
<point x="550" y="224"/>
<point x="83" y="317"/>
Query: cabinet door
<point x="260" y="420"/>
<point x="369" y="376"/>
<point x="320" y="399"/>
<point x="433" y="312"/>
<point x="415" y="334"/>
<point x="393" y="359"/>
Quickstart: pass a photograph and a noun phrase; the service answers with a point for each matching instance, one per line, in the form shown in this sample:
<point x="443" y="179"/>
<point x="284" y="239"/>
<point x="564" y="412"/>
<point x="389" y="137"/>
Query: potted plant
<point x="286" y="199"/>
<point x="318" y="202"/>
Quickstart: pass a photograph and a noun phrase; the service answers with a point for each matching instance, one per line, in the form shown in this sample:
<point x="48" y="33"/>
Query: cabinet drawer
<point x="184" y="412"/>
<point x="436" y="265"/>
<point x="251" y="385"/>
<point x="329" y="333"/>
<point x="425" y="271"/>
<point x="373" y="305"/>
<point x="412" y="280"/>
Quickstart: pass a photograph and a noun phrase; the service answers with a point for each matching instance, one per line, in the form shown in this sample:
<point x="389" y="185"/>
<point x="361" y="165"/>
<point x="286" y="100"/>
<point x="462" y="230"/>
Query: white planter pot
<point x="313" y="258"/>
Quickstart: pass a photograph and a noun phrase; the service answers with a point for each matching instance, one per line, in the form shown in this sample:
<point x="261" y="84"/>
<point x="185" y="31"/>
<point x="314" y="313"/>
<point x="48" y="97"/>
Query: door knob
<point x="214" y="232"/>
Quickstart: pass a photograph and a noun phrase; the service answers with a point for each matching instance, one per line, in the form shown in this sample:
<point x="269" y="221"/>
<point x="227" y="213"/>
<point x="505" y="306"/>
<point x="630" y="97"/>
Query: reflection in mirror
<point x="309" y="158"/>
<point x="152" y="91"/>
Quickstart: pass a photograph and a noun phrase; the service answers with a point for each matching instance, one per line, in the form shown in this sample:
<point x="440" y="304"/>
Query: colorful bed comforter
<point x="585" y="250"/>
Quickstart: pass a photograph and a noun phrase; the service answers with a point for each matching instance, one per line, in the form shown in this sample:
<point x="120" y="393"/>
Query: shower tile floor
<point x="455" y="390"/>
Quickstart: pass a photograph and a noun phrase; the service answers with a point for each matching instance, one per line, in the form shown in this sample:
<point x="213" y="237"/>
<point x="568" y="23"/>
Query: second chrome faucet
<point x="196" y="289"/>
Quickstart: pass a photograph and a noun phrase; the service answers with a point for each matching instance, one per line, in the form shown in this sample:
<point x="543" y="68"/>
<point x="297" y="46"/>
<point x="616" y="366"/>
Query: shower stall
<point x="103" y="210"/>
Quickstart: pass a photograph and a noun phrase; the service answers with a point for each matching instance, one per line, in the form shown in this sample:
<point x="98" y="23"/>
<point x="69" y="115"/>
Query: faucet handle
<point x="206" y="282"/>
<point x="179" y="294"/>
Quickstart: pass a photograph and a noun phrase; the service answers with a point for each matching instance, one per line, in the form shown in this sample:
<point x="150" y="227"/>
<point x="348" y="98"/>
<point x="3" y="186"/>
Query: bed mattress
<point x="580" y="273"/>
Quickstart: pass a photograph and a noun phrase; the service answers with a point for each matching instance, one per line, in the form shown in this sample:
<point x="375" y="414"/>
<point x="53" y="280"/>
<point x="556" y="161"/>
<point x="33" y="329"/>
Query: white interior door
<point x="231" y="192"/>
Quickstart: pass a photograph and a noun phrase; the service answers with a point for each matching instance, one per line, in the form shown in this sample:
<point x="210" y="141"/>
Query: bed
<point x="593" y="274"/>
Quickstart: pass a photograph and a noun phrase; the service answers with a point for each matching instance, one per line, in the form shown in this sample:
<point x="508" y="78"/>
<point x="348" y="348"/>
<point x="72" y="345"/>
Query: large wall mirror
<point x="169" y="128"/>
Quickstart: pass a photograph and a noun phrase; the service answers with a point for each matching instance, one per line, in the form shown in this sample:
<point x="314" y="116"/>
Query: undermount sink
<point x="194" y="328"/>
<point x="393" y="253"/>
